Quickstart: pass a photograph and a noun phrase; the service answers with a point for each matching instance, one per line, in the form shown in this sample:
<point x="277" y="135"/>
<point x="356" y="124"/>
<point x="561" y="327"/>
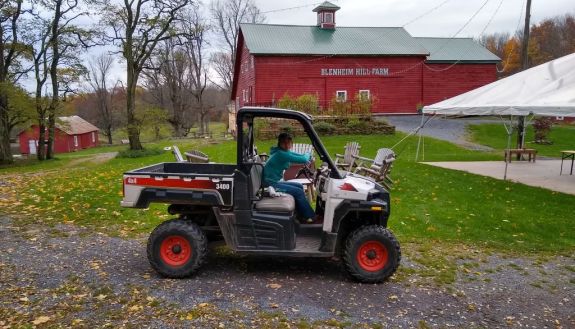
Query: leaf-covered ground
<point x="66" y="276"/>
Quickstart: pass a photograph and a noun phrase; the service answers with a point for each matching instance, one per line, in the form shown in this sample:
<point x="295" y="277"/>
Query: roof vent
<point x="326" y="15"/>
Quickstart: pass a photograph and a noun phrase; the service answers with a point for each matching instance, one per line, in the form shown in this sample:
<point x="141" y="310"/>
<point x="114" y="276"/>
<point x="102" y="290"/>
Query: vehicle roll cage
<point x="248" y="114"/>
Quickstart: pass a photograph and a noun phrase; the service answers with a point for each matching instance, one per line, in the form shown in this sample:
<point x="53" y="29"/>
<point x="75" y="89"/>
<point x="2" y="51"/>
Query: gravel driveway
<point x="69" y="276"/>
<point x="452" y="130"/>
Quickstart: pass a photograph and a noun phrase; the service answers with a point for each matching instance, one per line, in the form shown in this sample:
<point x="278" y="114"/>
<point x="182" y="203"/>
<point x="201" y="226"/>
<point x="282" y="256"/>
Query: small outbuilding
<point x="72" y="134"/>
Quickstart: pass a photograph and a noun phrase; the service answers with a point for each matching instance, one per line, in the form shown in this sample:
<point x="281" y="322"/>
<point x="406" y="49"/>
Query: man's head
<point x="285" y="141"/>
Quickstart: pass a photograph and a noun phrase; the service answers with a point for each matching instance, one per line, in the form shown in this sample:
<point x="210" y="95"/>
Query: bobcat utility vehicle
<point x="230" y="200"/>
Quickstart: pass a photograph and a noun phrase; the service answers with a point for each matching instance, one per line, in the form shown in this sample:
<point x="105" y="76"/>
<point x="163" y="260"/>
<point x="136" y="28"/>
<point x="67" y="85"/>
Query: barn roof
<point x="270" y="39"/>
<point x="74" y="125"/>
<point x="451" y="50"/>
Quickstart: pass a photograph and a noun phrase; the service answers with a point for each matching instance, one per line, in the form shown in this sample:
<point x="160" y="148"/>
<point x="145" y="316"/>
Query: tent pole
<point x="508" y="158"/>
<point x="419" y="133"/>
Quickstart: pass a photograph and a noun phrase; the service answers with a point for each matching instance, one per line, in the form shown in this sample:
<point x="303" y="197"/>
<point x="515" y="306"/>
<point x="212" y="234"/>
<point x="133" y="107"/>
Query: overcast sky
<point x="445" y="21"/>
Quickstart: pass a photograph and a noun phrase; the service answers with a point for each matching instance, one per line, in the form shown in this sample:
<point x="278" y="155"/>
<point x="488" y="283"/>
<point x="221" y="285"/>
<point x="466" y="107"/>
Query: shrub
<point x="324" y="128"/>
<point x="139" y="153"/>
<point x="542" y="127"/>
<point x="356" y="126"/>
<point x="286" y="102"/>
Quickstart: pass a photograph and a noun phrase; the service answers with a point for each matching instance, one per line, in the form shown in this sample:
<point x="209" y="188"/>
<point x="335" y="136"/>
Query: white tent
<point x="545" y="90"/>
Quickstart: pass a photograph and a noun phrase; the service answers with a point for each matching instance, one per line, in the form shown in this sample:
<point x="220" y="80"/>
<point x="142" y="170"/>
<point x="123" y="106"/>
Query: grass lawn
<point x="495" y="136"/>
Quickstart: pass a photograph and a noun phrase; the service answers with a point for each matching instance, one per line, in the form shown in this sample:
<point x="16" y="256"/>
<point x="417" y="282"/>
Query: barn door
<point x="32" y="146"/>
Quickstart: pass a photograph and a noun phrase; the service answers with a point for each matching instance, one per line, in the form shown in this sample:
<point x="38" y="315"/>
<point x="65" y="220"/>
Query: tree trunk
<point x="51" y="135"/>
<point x="133" y="126"/>
<point x="157" y="132"/>
<point x="41" y="149"/>
<point x="109" y="133"/>
<point x="5" y="152"/>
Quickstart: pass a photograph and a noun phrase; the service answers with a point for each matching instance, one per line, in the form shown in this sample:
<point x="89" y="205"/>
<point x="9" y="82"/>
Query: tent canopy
<point x="546" y="90"/>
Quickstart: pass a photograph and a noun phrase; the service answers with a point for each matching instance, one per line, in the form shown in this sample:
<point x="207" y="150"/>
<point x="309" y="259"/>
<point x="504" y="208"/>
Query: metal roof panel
<point x="269" y="39"/>
<point x="456" y="49"/>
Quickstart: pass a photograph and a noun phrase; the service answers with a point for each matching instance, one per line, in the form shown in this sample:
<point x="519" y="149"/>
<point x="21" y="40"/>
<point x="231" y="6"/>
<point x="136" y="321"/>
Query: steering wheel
<point x="307" y="172"/>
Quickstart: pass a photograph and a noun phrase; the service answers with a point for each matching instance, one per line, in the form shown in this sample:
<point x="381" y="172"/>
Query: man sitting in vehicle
<point x="280" y="159"/>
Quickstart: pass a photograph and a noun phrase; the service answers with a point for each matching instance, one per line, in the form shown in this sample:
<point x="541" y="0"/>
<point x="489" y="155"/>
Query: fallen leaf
<point x="136" y="308"/>
<point x="274" y="285"/>
<point x="41" y="319"/>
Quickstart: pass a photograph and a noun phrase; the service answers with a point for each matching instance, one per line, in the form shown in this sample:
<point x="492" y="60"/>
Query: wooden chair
<point x="195" y="156"/>
<point x="347" y="161"/>
<point x="177" y="154"/>
<point x="300" y="148"/>
<point x="378" y="168"/>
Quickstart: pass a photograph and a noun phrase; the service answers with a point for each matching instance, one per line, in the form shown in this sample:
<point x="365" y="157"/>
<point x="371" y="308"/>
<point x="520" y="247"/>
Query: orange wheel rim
<point x="175" y="250"/>
<point x="372" y="256"/>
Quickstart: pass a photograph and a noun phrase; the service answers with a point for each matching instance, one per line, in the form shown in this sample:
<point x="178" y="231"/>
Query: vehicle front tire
<point x="372" y="254"/>
<point x="177" y="248"/>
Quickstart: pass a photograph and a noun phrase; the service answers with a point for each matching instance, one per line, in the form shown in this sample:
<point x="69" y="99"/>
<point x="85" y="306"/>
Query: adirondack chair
<point x="195" y="156"/>
<point x="347" y="161"/>
<point x="300" y="148"/>
<point x="378" y="168"/>
<point x="177" y="154"/>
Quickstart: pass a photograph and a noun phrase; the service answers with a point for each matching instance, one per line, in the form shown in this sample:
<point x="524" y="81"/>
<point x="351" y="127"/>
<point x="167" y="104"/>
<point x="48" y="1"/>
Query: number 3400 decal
<point x="222" y="186"/>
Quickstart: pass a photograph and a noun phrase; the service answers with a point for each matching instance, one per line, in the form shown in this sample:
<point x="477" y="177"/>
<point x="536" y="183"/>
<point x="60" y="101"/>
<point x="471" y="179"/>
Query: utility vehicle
<point x="230" y="200"/>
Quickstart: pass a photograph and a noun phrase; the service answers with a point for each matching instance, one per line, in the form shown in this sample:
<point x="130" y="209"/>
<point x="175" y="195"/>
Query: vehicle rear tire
<point x="372" y="254"/>
<point x="177" y="248"/>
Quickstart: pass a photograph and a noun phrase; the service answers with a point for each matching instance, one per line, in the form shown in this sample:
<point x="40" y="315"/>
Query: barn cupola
<point x="326" y="15"/>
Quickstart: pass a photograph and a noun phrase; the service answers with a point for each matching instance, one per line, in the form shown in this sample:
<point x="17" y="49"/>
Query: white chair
<point x="346" y="160"/>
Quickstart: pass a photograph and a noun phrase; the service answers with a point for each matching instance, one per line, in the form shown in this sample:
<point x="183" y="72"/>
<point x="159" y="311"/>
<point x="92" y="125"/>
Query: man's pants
<point x="296" y="190"/>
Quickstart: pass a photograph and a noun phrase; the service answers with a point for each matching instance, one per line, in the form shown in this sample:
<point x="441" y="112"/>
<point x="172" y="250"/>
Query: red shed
<point x="386" y="64"/>
<point x="72" y="134"/>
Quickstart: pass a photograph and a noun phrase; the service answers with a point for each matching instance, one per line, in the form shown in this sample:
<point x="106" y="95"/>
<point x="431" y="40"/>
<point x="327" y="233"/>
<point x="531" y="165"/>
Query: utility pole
<point x="524" y="66"/>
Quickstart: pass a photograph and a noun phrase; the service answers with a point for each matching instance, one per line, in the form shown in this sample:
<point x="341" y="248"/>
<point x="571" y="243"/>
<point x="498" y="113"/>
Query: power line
<point x="292" y="8"/>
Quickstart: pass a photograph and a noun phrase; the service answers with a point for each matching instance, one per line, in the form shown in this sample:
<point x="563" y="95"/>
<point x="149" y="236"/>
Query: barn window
<point x="328" y="18"/>
<point x="93" y="137"/>
<point x="364" y="95"/>
<point x="75" y="140"/>
<point x="341" y="95"/>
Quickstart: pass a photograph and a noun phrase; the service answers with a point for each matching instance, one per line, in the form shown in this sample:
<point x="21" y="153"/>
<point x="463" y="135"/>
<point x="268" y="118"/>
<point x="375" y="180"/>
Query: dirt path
<point x="70" y="276"/>
<point x="96" y="158"/>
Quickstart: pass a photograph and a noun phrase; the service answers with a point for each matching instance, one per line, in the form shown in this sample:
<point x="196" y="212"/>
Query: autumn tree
<point x="227" y="16"/>
<point x="100" y="69"/>
<point x="11" y="14"/>
<point x="193" y="31"/>
<point x="55" y="42"/>
<point x="138" y="26"/>
<point x="167" y="80"/>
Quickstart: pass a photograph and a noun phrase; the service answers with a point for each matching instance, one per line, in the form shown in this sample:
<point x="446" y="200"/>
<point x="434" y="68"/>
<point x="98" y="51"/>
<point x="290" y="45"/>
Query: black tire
<point x="371" y="241"/>
<point x="189" y="248"/>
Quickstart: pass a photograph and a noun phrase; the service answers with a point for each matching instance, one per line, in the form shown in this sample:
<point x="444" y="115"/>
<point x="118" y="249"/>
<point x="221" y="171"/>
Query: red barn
<point x="396" y="71"/>
<point x="72" y="134"/>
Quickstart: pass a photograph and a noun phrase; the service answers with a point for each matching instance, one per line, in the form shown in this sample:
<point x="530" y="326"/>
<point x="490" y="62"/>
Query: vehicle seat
<point x="284" y="203"/>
